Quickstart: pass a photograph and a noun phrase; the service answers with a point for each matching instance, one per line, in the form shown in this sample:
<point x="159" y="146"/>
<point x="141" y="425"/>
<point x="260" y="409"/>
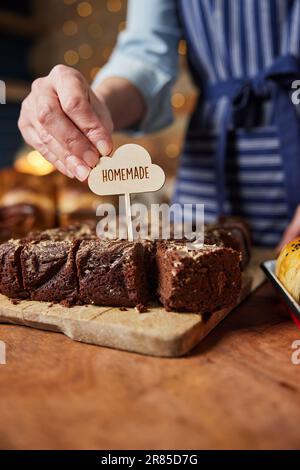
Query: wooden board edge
<point x="111" y="335"/>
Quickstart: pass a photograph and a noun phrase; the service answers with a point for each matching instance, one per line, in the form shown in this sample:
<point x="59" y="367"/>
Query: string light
<point x="114" y="5"/>
<point x="182" y="48"/>
<point x="70" y="28"/>
<point x="71" y="57"/>
<point x="172" y="150"/>
<point x="94" y="30"/>
<point x="84" y="9"/>
<point x="85" y="51"/>
<point x="178" y="100"/>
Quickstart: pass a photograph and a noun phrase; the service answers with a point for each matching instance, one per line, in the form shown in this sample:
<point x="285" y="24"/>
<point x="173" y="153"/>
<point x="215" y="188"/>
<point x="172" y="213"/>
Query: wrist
<point x="123" y="100"/>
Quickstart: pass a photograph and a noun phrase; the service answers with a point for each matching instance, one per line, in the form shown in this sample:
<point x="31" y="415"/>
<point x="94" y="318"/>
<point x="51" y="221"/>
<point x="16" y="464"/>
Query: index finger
<point x="81" y="113"/>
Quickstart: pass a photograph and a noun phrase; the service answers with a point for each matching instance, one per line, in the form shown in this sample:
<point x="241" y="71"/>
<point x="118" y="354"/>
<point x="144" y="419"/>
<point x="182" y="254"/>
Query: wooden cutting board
<point x="156" y="333"/>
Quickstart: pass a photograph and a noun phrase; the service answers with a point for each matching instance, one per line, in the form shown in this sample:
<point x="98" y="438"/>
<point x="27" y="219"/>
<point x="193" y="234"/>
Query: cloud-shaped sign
<point x="129" y="170"/>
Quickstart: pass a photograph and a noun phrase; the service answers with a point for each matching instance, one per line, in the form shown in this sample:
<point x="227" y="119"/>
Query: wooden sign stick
<point x="130" y="170"/>
<point x="129" y="217"/>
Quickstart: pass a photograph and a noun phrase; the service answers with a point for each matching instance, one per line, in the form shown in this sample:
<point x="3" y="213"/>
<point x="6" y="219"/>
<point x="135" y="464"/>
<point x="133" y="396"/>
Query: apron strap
<point x="275" y="83"/>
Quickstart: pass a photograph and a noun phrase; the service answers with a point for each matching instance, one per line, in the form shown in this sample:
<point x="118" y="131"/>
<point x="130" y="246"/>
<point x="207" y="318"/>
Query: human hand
<point x="66" y="122"/>
<point x="292" y="231"/>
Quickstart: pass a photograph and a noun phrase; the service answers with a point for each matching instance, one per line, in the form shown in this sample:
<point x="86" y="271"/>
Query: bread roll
<point x="76" y="202"/>
<point x="27" y="203"/>
<point x="288" y="268"/>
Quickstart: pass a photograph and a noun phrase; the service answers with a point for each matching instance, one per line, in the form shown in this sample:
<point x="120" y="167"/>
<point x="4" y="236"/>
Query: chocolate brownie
<point x="11" y="283"/>
<point x="200" y="280"/>
<point x="240" y="230"/>
<point x="216" y="235"/>
<point x="49" y="271"/>
<point x="112" y="273"/>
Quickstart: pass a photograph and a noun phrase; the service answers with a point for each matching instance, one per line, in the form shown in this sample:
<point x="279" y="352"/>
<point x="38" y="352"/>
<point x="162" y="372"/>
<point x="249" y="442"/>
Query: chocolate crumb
<point x="140" y="308"/>
<point x="123" y="309"/>
<point x="15" y="301"/>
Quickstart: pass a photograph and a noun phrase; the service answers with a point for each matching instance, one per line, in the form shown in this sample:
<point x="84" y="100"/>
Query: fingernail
<point x="71" y="162"/>
<point x="104" y="148"/>
<point x="70" y="174"/>
<point x="91" y="158"/>
<point x="81" y="172"/>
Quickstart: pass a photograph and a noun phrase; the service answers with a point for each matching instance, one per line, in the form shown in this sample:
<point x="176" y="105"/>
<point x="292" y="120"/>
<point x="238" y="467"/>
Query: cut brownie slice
<point x="240" y="230"/>
<point x="11" y="283"/>
<point x="215" y="235"/>
<point x="49" y="271"/>
<point x="201" y="280"/>
<point x="112" y="273"/>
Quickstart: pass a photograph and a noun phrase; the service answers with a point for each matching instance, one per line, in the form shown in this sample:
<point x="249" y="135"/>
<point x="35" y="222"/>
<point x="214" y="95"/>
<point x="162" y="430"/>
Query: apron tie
<point x="274" y="83"/>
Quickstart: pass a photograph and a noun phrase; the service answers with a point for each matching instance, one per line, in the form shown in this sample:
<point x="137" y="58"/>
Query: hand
<point x="66" y="122"/>
<point x="291" y="232"/>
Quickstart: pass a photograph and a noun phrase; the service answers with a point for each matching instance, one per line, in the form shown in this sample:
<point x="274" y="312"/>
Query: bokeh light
<point x="33" y="163"/>
<point x="172" y="150"/>
<point x="122" y="26"/>
<point x="178" y="100"/>
<point x="84" y="9"/>
<point x="106" y="52"/>
<point x="182" y="48"/>
<point x="70" y="28"/>
<point x="71" y="57"/>
<point x="93" y="72"/>
<point x="114" y="5"/>
<point x="85" y="51"/>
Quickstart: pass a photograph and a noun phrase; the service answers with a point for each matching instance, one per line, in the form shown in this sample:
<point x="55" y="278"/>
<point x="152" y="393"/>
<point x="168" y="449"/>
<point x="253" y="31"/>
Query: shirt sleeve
<point x="146" y="54"/>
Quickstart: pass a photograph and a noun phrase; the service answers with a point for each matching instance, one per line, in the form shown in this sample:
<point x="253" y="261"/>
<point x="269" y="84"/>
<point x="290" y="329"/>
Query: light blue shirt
<point x="146" y="54"/>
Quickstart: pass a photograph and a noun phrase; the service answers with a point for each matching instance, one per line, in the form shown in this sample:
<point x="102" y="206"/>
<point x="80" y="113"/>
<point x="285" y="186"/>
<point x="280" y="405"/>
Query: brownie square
<point x="112" y="273"/>
<point x="199" y="280"/>
<point x="49" y="271"/>
<point x="220" y="236"/>
<point x="11" y="283"/>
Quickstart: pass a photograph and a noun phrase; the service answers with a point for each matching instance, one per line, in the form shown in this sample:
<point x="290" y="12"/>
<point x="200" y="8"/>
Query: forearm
<point x="124" y="101"/>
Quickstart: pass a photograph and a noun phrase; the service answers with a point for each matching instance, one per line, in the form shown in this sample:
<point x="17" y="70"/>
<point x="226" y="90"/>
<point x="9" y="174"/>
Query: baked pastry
<point x="26" y="203"/>
<point x="200" y="280"/>
<point x="288" y="268"/>
<point x="76" y="202"/>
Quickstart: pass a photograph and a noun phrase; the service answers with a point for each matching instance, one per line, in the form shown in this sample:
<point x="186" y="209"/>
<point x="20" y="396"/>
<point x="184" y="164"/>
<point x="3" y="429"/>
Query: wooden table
<point x="238" y="389"/>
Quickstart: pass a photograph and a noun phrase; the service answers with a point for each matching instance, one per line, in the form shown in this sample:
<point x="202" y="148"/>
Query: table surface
<point x="237" y="389"/>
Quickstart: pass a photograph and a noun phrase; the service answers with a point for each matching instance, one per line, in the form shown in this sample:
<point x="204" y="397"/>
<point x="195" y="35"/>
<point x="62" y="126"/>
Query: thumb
<point x="291" y="232"/>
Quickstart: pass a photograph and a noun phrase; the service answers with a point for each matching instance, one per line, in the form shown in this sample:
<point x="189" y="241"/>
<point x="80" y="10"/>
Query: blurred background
<point x="35" y="36"/>
<point x="38" y="34"/>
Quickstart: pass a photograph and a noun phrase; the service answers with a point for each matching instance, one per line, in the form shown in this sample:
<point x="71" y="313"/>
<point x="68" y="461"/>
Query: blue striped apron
<point x="242" y="150"/>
